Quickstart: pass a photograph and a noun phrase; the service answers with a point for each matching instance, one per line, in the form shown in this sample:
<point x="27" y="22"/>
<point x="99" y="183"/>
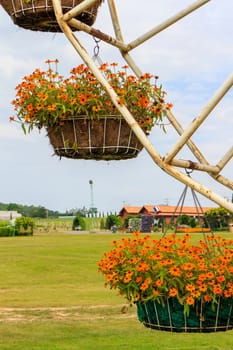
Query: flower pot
<point x="39" y="14"/>
<point x="202" y="317"/>
<point x="106" y="138"/>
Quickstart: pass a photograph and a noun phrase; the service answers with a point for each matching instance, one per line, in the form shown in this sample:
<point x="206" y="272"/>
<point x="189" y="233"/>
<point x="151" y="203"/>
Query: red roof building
<point x="169" y="211"/>
<point x="166" y="212"/>
<point x="128" y="210"/>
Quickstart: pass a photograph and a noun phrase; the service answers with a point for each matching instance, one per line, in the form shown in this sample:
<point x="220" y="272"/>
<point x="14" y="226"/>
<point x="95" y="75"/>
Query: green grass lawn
<point x="53" y="298"/>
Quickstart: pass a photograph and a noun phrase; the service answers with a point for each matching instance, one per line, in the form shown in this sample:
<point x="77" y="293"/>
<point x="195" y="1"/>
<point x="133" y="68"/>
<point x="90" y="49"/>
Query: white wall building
<point x="9" y="215"/>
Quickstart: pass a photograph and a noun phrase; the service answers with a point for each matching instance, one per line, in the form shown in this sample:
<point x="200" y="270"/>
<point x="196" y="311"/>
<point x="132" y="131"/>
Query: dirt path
<point x="91" y="313"/>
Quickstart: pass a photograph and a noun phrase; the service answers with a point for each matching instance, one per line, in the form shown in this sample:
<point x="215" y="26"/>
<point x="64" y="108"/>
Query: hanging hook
<point x="189" y="171"/>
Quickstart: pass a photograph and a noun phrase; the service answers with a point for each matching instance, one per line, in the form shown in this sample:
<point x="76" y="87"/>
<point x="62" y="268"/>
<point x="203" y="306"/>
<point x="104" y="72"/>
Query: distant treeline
<point x="30" y="210"/>
<point x="42" y="212"/>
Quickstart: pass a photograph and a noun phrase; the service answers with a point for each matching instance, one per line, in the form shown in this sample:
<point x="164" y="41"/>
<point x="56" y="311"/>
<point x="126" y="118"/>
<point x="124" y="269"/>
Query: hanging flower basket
<point x="80" y="119"/>
<point x="39" y="14"/>
<point x="202" y="317"/>
<point x="177" y="286"/>
<point x="108" y="138"/>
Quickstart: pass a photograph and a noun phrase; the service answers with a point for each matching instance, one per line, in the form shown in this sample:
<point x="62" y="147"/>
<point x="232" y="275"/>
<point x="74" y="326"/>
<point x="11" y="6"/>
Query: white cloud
<point x="12" y="133"/>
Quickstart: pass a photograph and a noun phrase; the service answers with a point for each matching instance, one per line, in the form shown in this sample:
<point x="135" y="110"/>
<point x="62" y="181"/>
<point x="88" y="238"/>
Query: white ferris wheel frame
<point x="169" y="163"/>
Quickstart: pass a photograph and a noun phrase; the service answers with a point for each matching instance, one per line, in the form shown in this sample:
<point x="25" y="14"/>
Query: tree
<point x="112" y="220"/>
<point x="218" y="218"/>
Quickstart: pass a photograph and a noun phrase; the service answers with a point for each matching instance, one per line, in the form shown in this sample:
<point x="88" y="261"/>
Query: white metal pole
<point x="167" y="23"/>
<point x="196" y="122"/>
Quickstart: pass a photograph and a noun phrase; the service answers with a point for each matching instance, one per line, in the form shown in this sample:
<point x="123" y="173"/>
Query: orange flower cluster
<point x="45" y="98"/>
<point x="144" y="268"/>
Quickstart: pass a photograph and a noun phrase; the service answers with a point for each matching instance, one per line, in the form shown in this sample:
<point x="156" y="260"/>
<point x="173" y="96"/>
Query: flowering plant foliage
<point x="143" y="268"/>
<point x="45" y="98"/>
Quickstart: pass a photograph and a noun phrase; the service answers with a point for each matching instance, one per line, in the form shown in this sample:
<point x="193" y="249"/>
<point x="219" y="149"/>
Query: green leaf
<point x="24" y="129"/>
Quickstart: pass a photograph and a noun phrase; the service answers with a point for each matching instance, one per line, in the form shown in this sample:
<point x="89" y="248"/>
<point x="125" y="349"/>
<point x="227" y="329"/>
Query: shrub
<point x="79" y="222"/>
<point x="24" y="226"/>
<point x="6" y="229"/>
<point x="186" y="220"/>
<point x="102" y="223"/>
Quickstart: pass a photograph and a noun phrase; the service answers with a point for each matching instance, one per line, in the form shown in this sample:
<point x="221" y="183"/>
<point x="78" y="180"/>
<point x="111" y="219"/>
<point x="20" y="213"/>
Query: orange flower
<point x="108" y="277"/>
<point x="190" y="287"/>
<point x="173" y="292"/>
<point x="103" y="67"/>
<point x="189" y="274"/>
<point x="142" y="267"/>
<point x="217" y="289"/>
<point x="207" y="298"/>
<point x="220" y="279"/>
<point x="51" y="108"/>
<point x="190" y="300"/>
<point x="138" y="279"/>
<point x="210" y="274"/>
<point x="188" y="266"/>
<point x="137" y="297"/>
<point x="144" y="285"/>
<point x="202" y="277"/>
<point x="96" y="108"/>
<point x="196" y="294"/>
<point x="169" y="105"/>
<point x="127" y="279"/>
<point x="202" y="288"/>
<point x="73" y="101"/>
<point x="30" y="107"/>
<point x="175" y="271"/>
<point x="82" y="99"/>
<point x="159" y="283"/>
<point x="228" y="293"/>
<point x="158" y="256"/>
<point x="143" y="102"/>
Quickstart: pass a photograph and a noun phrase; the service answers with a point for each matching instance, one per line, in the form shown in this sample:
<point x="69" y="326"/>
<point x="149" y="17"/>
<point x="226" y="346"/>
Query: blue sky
<point x="192" y="58"/>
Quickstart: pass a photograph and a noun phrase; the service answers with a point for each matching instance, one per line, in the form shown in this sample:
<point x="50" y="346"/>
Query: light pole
<point x="92" y="205"/>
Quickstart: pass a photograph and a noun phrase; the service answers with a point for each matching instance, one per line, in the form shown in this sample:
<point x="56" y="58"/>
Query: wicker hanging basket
<point x="107" y="138"/>
<point x="39" y="15"/>
<point x="203" y="317"/>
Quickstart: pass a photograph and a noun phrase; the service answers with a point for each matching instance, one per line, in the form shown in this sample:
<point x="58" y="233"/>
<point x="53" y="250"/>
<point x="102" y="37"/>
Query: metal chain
<point x="96" y="51"/>
<point x="96" y="48"/>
